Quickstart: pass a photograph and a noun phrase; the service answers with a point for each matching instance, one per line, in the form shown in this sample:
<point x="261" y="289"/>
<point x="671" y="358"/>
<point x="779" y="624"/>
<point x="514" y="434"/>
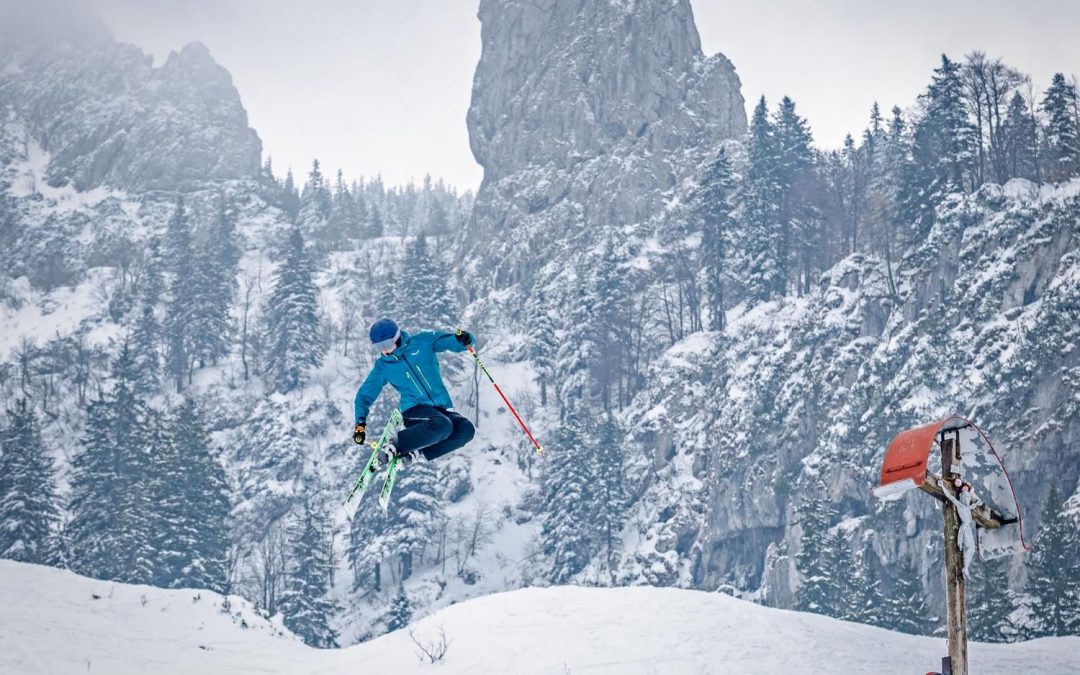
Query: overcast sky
<point x="382" y="86"/>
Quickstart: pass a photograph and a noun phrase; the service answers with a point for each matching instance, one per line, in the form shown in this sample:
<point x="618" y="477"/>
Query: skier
<point x="410" y="364"/>
<point x="964" y="502"/>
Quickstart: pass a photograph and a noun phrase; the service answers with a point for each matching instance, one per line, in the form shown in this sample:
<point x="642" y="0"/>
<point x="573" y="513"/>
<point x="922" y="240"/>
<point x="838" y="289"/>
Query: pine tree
<point x="183" y="296"/>
<point x="815" y="593"/>
<point x="867" y="599"/>
<point x="567" y="534"/>
<point x="609" y="302"/>
<point x="577" y="346"/>
<point x="1062" y="129"/>
<point x="146" y="337"/>
<point x="990" y="604"/>
<point x="541" y="346"/>
<point x="369" y="546"/>
<point x="1019" y="131"/>
<point x="306" y="608"/>
<point x="28" y="511"/>
<point x="757" y="254"/>
<point x="420" y="289"/>
<point x="295" y="345"/>
<point x="609" y="511"/>
<point x="415" y="516"/>
<point x="191" y="506"/>
<point x="290" y="198"/>
<point x="316" y="205"/>
<point x="794" y="162"/>
<point x="399" y="614"/>
<point x="713" y="207"/>
<point x="111" y="531"/>
<point x="943" y="151"/>
<point x="905" y="608"/>
<point x="1053" y="585"/>
<point x="344" y="222"/>
<point x="842" y="594"/>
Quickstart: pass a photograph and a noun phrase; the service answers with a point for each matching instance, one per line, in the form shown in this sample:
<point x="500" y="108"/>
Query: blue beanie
<point x="383" y="329"/>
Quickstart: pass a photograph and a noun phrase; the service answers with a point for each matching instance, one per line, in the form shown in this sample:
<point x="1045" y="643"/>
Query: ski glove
<point x="359" y="434"/>
<point x="463" y="337"/>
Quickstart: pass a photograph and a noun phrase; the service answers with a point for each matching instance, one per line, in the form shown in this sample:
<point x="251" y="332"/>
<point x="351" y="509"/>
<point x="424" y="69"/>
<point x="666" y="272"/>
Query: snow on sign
<point x="906" y="467"/>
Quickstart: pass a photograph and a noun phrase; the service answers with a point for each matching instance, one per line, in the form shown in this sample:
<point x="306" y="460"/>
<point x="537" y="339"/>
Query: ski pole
<point x="539" y="448"/>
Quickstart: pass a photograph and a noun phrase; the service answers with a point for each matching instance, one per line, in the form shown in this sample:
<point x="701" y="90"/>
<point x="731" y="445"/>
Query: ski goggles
<point x="388" y="344"/>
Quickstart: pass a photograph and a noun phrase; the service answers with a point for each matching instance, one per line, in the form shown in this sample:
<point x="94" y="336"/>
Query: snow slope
<point x="52" y="621"/>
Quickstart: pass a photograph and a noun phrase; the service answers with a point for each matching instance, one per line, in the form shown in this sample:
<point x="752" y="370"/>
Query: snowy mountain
<point x="108" y="117"/>
<point x="145" y="249"/>
<point x="53" y="621"/>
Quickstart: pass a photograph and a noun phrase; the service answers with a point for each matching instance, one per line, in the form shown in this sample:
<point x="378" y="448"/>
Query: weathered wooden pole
<point x="955" y="593"/>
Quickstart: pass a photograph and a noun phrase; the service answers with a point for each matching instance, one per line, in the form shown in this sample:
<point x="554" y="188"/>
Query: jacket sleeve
<point x="368" y="392"/>
<point x="444" y="341"/>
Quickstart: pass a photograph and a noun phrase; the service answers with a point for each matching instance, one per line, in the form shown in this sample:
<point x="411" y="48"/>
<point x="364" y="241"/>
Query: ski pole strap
<point x="539" y="448"/>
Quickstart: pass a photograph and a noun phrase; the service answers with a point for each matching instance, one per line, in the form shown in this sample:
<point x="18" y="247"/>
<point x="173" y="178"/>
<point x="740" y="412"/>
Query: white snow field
<point x="56" y="622"/>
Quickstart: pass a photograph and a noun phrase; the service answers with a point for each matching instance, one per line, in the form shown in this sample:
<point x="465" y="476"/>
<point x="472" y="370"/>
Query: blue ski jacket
<point x="412" y="369"/>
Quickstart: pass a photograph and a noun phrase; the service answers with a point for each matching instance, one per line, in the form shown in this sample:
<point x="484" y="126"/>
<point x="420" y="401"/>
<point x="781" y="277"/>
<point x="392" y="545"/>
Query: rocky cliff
<point x="585" y="115"/>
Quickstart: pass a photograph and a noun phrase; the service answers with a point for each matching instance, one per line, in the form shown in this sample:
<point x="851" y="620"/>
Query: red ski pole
<point x="539" y="448"/>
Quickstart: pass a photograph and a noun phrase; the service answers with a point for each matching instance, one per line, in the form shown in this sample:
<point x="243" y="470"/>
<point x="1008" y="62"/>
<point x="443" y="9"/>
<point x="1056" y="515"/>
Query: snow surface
<point x="53" y="621"/>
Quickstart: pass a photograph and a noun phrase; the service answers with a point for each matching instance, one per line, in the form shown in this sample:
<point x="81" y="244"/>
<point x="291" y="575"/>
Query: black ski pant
<point x="436" y="431"/>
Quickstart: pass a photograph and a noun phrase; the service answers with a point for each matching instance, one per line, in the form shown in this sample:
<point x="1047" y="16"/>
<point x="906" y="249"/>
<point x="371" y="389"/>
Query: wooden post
<point x="955" y="595"/>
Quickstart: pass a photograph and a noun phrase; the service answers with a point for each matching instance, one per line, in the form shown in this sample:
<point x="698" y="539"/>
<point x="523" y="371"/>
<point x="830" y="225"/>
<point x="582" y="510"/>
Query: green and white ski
<point x="352" y="501"/>
<point x="388" y="484"/>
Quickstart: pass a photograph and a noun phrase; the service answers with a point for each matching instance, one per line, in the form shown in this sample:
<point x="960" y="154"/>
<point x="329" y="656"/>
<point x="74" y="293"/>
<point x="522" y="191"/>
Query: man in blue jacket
<point x="409" y="363"/>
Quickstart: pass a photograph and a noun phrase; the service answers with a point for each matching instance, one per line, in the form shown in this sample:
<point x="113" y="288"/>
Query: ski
<point x="388" y="484"/>
<point x="352" y="501"/>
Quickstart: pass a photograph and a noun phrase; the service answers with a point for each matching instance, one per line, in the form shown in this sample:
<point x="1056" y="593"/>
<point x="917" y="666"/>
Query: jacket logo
<point x="414" y="353"/>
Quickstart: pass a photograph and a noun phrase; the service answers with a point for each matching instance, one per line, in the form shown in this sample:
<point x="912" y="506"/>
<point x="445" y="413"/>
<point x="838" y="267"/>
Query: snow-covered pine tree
<point x="540" y="345"/>
<point x="905" y="607"/>
<point x="215" y="286"/>
<point x="422" y="298"/>
<point x="943" y="150"/>
<point x="191" y="505"/>
<point x="610" y="306"/>
<point x="344" y="221"/>
<point x="183" y="296"/>
<point x="990" y="604"/>
<point x="295" y="344"/>
<point x="795" y="163"/>
<point x="867" y="598"/>
<point x="147" y="334"/>
<point x="110" y="535"/>
<point x="568" y="533"/>
<point x="28" y="511"/>
<point x="815" y="593"/>
<point x="1053" y="585"/>
<point x="368" y="547"/>
<point x="290" y="197"/>
<point x="577" y="347"/>
<point x="305" y="604"/>
<point x="712" y="204"/>
<point x="415" y="516"/>
<point x="1020" y="140"/>
<point x="842" y="595"/>
<point x="757" y="266"/>
<point x="1062" y="156"/>
<point x="609" y="511"/>
<point x="316" y="204"/>
<point x="399" y="614"/>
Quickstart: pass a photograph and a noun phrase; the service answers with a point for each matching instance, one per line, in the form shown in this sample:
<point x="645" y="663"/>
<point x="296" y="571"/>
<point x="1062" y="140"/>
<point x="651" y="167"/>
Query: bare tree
<point x="268" y="568"/>
<point x="432" y="652"/>
<point x="251" y="288"/>
<point x="470" y="535"/>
